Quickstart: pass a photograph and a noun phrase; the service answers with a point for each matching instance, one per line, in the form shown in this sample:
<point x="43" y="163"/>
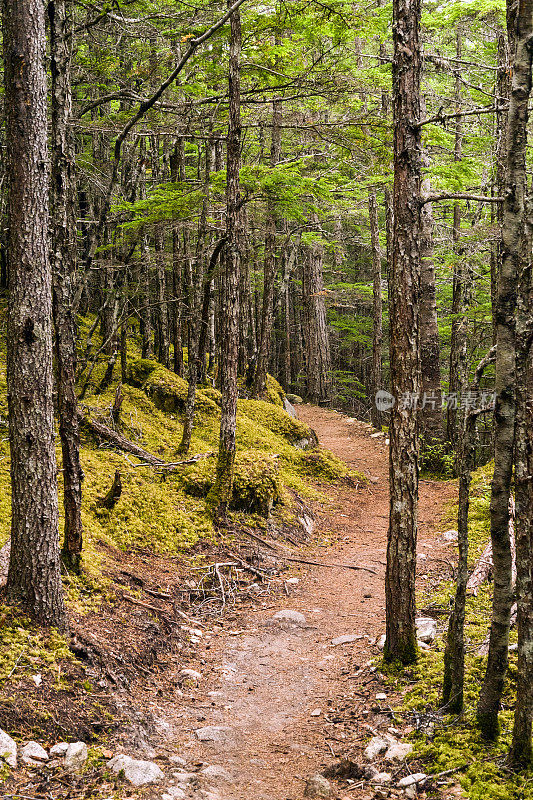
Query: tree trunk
<point x="63" y="257"/>
<point x="34" y="579"/>
<point x="222" y="489"/>
<point x="377" y="317"/>
<point x="317" y="338"/>
<point x="270" y="263"/>
<point x="505" y="379"/>
<point x="521" y="750"/>
<point x="400" y="642"/>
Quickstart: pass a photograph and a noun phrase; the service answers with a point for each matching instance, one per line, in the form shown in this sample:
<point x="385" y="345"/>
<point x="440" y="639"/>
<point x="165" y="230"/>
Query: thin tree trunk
<point x="34" y="579"/>
<point x="505" y="379"/>
<point x="377" y="317"/>
<point x="400" y="644"/>
<point x="222" y="489"/>
<point x="63" y="257"/>
<point x="318" y="352"/>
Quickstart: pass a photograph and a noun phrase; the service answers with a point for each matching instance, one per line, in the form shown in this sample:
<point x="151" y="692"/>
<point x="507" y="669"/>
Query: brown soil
<point x="270" y="679"/>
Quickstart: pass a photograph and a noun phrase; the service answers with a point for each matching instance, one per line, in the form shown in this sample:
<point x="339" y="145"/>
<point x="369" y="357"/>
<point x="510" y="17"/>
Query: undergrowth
<point x="445" y="742"/>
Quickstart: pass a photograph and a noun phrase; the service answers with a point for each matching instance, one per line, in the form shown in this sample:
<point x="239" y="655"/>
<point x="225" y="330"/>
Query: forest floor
<point x="284" y="701"/>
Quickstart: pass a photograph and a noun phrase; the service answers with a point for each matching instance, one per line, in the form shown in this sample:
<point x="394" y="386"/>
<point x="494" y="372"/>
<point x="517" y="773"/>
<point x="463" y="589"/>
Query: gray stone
<point x="212" y="733"/>
<point x="138" y="773"/>
<point x="410" y="792"/>
<point x="8" y="749"/>
<point x="174" y="793"/>
<point x="75" y="756"/>
<point x="348" y="638"/>
<point x="376" y="746"/>
<point x="290" y="616"/>
<point x="289" y="408"/>
<point x="412" y="780"/>
<point x="381" y="641"/>
<point x="317" y="786"/>
<point x="190" y="676"/>
<point x="383" y="778"/>
<point x="216" y="773"/>
<point x="59" y="749"/>
<point x="184" y="778"/>
<point x="4" y="562"/>
<point x="33" y="754"/>
<point x="178" y="759"/>
<point x="451" y="535"/>
<point x="398" y="751"/>
<point x="426" y="629"/>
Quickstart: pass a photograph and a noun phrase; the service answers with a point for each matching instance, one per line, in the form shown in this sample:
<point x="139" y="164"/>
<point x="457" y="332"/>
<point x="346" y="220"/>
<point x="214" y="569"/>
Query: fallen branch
<point x="321" y="564"/>
<point x="160" y="610"/>
<point x="249" y="567"/>
<point x="147" y="459"/>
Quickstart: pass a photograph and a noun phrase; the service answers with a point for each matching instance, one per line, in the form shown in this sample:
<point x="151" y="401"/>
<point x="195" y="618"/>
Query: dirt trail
<point x="266" y="679"/>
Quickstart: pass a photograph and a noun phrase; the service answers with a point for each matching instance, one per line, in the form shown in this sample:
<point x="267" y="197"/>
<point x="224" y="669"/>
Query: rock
<point x="59" y="750"/>
<point x="4" y="562"/>
<point x="33" y="754"/>
<point x="174" y="793"/>
<point x="376" y="746"/>
<point x="185" y="778"/>
<point x="316" y="712"/>
<point x="348" y="638"/>
<point x="410" y="792"/>
<point x="138" y="773"/>
<point x="212" y="733"/>
<point x="381" y="696"/>
<point x="190" y="676"/>
<point x="317" y="786"/>
<point x="426" y="629"/>
<point x="398" y="751"/>
<point x="293" y="581"/>
<point x="451" y="535"/>
<point x="383" y="778"/>
<point x="289" y="408"/>
<point x="381" y="641"/>
<point x="411" y="780"/>
<point x="290" y="616"/>
<point x="178" y="759"/>
<point x="216" y="773"/>
<point x="376" y="435"/>
<point x="8" y="749"/>
<point x="307" y="522"/>
<point x="37" y="679"/>
<point x="75" y="756"/>
<point x="294" y="398"/>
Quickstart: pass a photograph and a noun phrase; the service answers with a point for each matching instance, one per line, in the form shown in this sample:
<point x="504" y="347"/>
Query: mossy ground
<point x="160" y="515"/>
<point x="456" y="742"/>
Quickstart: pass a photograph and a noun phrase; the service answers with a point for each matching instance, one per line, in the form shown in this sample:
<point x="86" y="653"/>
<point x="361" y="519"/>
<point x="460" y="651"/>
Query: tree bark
<point x="400" y="644"/>
<point x="222" y="489"/>
<point x="63" y="257"/>
<point x="317" y="338"/>
<point x="505" y="380"/>
<point x="34" y="579"/>
<point x="377" y="317"/>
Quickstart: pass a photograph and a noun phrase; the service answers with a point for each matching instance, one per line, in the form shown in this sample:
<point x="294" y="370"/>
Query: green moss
<point x="26" y="650"/>
<point x="167" y="390"/>
<point x="276" y="420"/>
<point x="274" y="391"/>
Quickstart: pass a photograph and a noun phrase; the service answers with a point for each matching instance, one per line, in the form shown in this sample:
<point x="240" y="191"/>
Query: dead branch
<point x="321" y="564"/>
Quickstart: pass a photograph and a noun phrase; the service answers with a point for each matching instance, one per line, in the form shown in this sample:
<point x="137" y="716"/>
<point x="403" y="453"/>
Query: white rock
<point x="376" y="435"/>
<point x="411" y="780"/>
<point x="288" y="615"/>
<point x="451" y="535"/>
<point x="316" y="712"/>
<point x="212" y="733"/>
<point x="317" y="786"/>
<point x="381" y="641"/>
<point x="289" y="408"/>
<point x="184" y="778"/>
<point x="32" y="754"/>
<point x="138" y="773"/>
<point x="426" y="629"/>
<point x="375" y="746"/>
<point x="381" y="696"/>
<point x="75" y="756"/>
<point x="37" y="679"/>
<point x="174" y="793"/>
<point x="190" y="675"/>
<point x="216" y="773"/>
<point x="348" y="638"/>
<point x="398" y="751"/>
<point x="8" y="749"/>
<point x="293" y="581"/>
<point x="410" y="792"/>
<point x="383" y="778"/>
<point x="177" y="760"/>
<point x="59" y="749"/>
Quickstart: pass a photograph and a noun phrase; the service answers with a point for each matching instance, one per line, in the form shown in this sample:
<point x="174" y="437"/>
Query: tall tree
<point x="377" y="317"/>
<point x="400" y="644"/>
<point x="34" y="579"/>
<point x="63" y="257"/>
<point x="222" y="489"/>
<point x="520" y="22"/>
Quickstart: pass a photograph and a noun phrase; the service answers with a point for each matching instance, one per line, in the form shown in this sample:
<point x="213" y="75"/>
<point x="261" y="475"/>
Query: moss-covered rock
<point x="276" y="419"/>
<point x="256" y="483"/>
<point x="167" y="390"/>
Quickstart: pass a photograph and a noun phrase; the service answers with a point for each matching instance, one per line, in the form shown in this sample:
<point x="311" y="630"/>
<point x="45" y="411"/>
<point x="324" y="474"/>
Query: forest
<point x="266" y="397"/>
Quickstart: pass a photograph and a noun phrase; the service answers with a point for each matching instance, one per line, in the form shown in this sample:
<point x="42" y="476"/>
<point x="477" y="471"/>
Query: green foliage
<point x="436" y="459"/>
